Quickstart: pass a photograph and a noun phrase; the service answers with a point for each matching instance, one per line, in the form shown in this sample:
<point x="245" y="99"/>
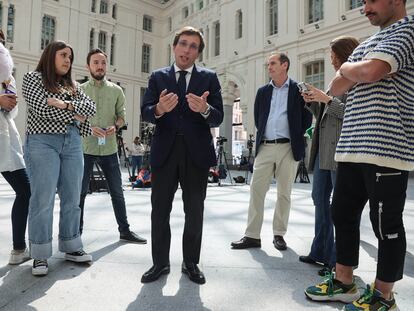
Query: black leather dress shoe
<point x="246" y="242"/>
<point x="307" y="259"/>
<point x="193" y="272"/>
<point x="154" y="273"/>
<point x="132" y="237"/>
<point x="279" y="243"/>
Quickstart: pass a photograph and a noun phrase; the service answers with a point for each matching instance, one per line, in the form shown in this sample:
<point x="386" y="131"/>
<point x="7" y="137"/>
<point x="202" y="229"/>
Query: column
<point x="95" y="37"/>
<point x="226" y="128"/>
<point x="5" y="10"/>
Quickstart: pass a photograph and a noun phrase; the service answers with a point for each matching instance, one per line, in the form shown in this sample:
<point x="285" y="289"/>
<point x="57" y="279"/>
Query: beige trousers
<point x="272" y="159"/>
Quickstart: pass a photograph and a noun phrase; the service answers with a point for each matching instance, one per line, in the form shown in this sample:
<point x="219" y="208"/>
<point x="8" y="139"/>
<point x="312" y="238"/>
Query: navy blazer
<point x="299" y="118"/>
<point x="194" y="127"/>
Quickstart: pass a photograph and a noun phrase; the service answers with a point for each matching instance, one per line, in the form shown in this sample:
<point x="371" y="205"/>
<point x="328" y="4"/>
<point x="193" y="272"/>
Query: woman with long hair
<point x="329" y="113"/>
<point x="12" y="165"/>
<point x="57" y="117"/>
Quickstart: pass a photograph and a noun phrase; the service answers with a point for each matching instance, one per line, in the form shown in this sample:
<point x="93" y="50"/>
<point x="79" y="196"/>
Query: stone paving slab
<point x="257" y="279"/>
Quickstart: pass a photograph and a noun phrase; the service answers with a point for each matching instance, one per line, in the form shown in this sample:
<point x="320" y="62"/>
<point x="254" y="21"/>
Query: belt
<point x="276" y="141"/>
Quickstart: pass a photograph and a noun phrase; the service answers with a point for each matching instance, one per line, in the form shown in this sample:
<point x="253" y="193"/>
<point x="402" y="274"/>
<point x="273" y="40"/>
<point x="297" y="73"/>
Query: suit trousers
<point x="273" y="159"/>
<point x="178" y="168"/>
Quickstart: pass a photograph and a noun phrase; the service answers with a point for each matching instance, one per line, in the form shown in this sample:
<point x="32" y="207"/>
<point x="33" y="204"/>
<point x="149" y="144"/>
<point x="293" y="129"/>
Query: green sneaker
<point x="371" y="300"/>
<point x="332" y="290"/>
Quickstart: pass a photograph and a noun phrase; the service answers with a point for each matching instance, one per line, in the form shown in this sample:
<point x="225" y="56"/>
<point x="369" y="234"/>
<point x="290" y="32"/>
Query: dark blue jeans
<point x="323" y="245"/>
<point x="19" y="181"/>
<point x="110" y="168"/>
<point x="136" y="164"/>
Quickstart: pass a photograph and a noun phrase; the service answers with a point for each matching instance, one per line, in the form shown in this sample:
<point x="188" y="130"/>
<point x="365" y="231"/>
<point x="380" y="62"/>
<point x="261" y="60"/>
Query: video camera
<point x="221" y="140"/>
<point x="250" y="142"/>
<point x="119" y="130"/>
<point x="146" y="134"/>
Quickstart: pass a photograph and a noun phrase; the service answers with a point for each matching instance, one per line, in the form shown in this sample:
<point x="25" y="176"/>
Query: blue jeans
<point x="54" y="161"/>
<point x="136" y="164"/>
<point x="110" y="167"/>
<point x="19" y="181"/>
<point x="323" y="245"/>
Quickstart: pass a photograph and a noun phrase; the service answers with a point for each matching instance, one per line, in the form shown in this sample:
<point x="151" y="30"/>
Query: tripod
<point x="302" y="173"/>
<point x="121" y="151"/>
<point x="248" y="163"/>
<point x="222" y="167"/>
<point x="250" y="147"/>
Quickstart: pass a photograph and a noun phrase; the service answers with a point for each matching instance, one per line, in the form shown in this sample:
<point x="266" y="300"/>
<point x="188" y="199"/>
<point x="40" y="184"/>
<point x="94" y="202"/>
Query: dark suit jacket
<point x="194" y="127"/>
<point x="299" y="118"/>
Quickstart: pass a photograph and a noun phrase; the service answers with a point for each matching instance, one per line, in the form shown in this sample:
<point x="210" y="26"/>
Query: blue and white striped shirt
<point x="378" y="125"/>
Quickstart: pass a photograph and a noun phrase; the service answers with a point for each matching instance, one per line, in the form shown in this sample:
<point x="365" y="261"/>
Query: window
<point x="10" y="23"/>
<point x="48" y="31"/>
<point x="185" y="12"/>
<point x="206" y="40"/>
<point x="239" y="24"/>
<point x="200" y="4"/>
<point x="169" y="54"/>
<point x="91" y="39"/>
<point x="216" y="39"/>
<point x="147" y="23"/>
<point x="146" y="58"/>
<point x="103" y="9"/>
<point x="273" y="4"/>
<point x="102" y="41"/>
<point x="93" y="6"/>
<point x="200" y="56"/>
<point x="315" y="11"/>
<point x="169" y="23"/>
<point x="353" y="4"/>
<point x="112" y="56"/>
<point x="314" y="74"/>
<point x="114" y="11"/>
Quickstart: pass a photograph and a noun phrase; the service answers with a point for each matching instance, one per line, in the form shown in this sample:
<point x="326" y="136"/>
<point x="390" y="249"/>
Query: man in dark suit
<point x="184" y="101"/>
<point x="281" y="120"/>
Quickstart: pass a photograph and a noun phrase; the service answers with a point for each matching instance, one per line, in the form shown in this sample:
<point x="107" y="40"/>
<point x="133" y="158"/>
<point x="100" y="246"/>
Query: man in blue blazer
<point x="183" y="101"/>
<point x="281" y="121"/>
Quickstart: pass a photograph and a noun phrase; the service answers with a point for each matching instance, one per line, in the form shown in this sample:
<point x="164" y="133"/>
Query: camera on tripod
<point x="119" y="130"/>
<point x="146" y="134"/>
<point x="221" y="140"/>
<point x="250" y="142"/>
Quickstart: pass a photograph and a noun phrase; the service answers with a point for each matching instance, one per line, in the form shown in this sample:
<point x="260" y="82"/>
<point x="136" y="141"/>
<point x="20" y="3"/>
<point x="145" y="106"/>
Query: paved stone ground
<point x="258" y="279"/>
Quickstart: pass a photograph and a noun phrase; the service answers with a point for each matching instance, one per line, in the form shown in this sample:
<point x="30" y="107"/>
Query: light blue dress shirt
<point x="277" y="125"/>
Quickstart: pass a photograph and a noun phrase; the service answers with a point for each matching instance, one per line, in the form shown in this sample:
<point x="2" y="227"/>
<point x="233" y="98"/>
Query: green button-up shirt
<point x="110" y="105"/>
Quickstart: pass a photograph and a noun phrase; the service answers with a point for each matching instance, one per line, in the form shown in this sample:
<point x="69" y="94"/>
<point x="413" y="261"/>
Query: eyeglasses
<point x="185" y="44"/>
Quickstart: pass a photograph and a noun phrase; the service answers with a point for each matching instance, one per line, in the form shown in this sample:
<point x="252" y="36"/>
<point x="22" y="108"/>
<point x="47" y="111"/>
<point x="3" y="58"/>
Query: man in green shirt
<point x="102" y="146"/>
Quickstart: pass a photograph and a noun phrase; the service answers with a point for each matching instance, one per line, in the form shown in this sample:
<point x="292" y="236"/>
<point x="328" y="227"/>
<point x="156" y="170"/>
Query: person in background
<point x="137" y="152"/>
<point x="12" y="165"/>
<point x="57" y="117"/>
<point x="329" y="112"/>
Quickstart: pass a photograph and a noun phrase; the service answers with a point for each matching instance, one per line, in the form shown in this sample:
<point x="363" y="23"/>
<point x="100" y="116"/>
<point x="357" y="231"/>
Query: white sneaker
<point x="18" y="256"/>
<point x="79" y="256"/>
<point x="40" y="267"/>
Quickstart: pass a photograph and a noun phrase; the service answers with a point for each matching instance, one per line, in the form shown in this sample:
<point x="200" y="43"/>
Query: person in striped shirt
<point x="374" y="154"/>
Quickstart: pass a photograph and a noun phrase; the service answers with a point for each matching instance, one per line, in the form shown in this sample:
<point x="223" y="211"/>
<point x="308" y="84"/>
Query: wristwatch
<point x="67" y="104"/>
<point x="207" y="110"/>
